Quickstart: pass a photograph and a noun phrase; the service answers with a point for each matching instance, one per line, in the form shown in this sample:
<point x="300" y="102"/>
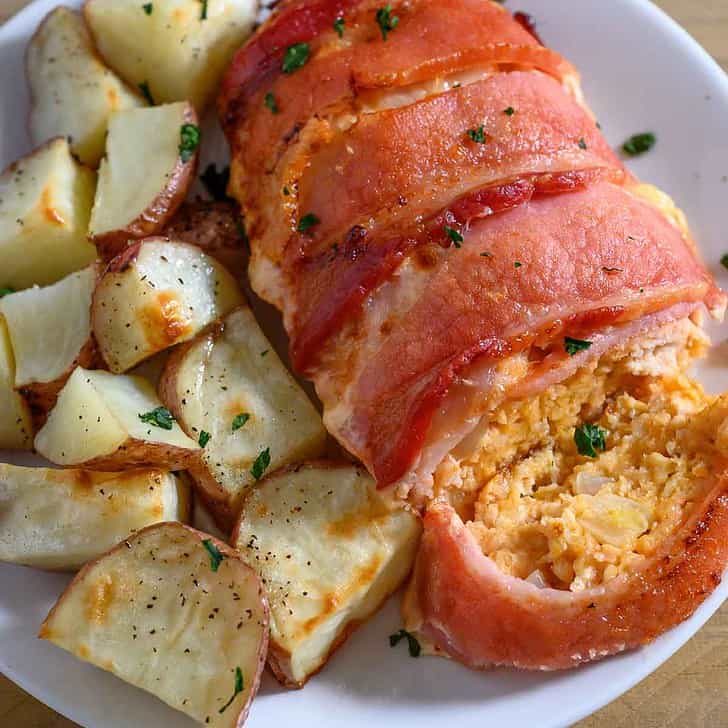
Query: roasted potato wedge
<point x="180" y="48"/>
<point x="216" y="228"/>
<point x="151" y="160"/>
<point x="45" y="204"/>
<point x="50" y="334"/>
<point x="73" y="92"/>
<point x="16" y="424"/>
<point x="329" y="548"/>
<point x="60" y="519"/>
<point x="154" y="295"/>
<point x="230" y="384"/>
<point x="175" y="612"/>
<point x="105" y="421"/>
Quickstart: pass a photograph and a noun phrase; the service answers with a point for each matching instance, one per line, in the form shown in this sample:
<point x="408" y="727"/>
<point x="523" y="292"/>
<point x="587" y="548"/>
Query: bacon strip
<point x="341" y="74"/>
<point x="421" y="156"/>
<point x="544" y="277"/>
<point x="332" y="285"/>
<point x="421" y="36"/>
<point x="465" y="605"/>
<point x="436" y="258"/>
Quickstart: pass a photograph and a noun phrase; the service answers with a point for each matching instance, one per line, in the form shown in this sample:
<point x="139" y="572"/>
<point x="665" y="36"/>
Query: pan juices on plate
<point x="499" y="319"/>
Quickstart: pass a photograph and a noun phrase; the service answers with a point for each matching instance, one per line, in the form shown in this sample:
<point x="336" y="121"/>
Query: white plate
<point x="641" y="72"/>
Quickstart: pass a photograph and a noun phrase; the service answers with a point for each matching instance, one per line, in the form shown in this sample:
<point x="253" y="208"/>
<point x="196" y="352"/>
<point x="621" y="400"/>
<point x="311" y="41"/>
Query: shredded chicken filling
<point x="546" y="510"/>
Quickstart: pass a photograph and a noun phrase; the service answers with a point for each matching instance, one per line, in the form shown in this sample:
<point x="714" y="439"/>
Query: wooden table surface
<point x="689" y="690"/>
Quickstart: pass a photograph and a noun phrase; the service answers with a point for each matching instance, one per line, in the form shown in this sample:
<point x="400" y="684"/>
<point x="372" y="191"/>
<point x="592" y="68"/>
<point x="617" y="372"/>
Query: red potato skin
<point x="160" y="210"/>
<point x="41" y="396"/>
<point x="143" y="454"/>
<point x="228" y="553"/>
<point x="461" y="602"/>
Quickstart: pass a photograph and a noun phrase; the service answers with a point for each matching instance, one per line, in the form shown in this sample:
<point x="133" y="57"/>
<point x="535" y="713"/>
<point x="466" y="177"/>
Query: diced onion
<point x="536" y="578"/>
<point x="590" y="483"/>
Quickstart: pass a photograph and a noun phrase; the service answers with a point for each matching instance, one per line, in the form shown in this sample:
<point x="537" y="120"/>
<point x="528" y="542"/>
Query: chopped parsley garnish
<point x="203" y="11"/>
<point x="264" y="352"/>
<point x="639" y="144"/>
<point x="216" y="182"/>
<point x="6" y="291"/>
<point x="509" y="111"/>
<point x="589" y="439"/>
<point x="454" y="235"/>
<point x="189" y="140"/>
<point x="144" y="88"/>
<point x="270" y="102"/>
<point x="339" y="27"/>
<point x="216" y="558"/>
<point x="723" y="262"/>
<point x="159" y="417"/>
<point x="240" y="420"/>
<point x="412" y="643"/>
<point x="148" y="8"/>
<point x="286" y="191"/>
<point x="517" y="264"/>
<point x="307" y="221"/>
<point x="237" y="691"/>
<point x="204" y="438"/>
<point x="295" y="57"/>
<point x="582" y="143"/>
<point x="574" y="346"/>
<point x="261" y="464"/>
<point x="386" y="21"/>
<point x="477" y="135"/>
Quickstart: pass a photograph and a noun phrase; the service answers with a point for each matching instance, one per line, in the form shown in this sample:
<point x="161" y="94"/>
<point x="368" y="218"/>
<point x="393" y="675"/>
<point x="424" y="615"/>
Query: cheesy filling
<point x="558" y="517"/>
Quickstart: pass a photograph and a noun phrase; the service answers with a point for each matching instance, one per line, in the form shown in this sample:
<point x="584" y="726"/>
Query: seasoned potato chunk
<point x="107" y="422"/>
<point x="329" y="548"/>
<point x="60" y="519"/>
<point x="230" y="385"/>
<point x="174" y="612"/>
<point x="179" y="48"/>
<point x="45" y="204"/>
<point x="157" y="294"/>
<point x="16" y="426"/>
<point x="50" y="334"/>
<point x="150" y="163"/>
<point x="73" y="92"/>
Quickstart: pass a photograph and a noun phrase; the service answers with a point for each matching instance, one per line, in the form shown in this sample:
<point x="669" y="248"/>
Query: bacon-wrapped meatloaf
<point x="498" y="318"/>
